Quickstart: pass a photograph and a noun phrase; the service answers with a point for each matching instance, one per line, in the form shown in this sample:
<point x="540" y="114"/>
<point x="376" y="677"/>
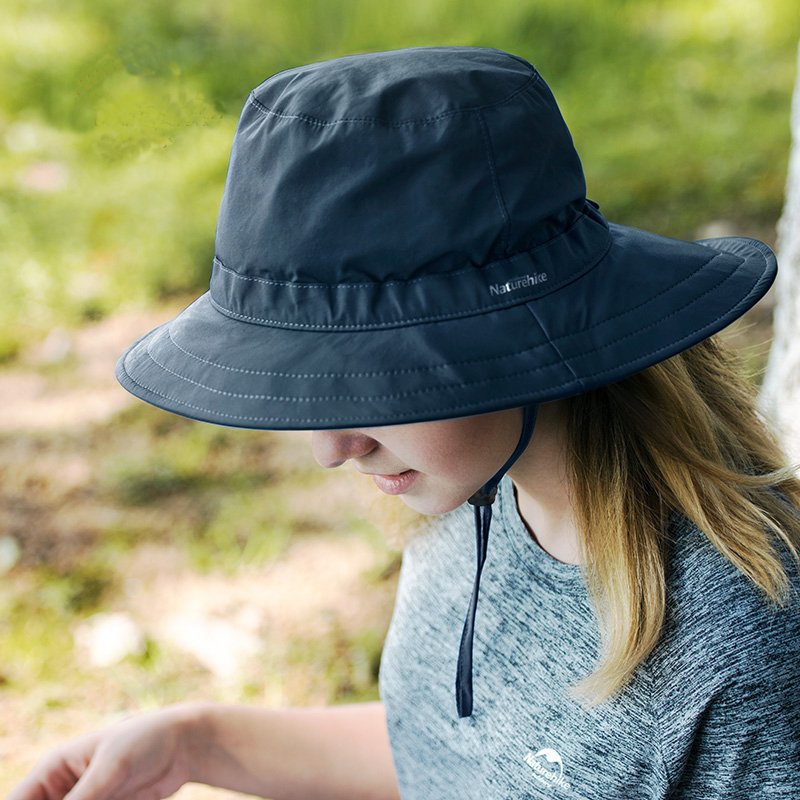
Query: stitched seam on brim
<point x="332" y="398"/>
<point x="374" y="374"/>
<point x="313" y="420"/>
<point x="638" y="331"/>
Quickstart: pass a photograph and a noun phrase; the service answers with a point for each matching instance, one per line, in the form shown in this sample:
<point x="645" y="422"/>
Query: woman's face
<point x="433" y="466"/>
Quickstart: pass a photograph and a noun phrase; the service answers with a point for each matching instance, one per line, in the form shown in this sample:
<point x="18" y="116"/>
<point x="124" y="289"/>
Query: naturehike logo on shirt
<point x="518" y="283"/>
<point x="548" y="768"/>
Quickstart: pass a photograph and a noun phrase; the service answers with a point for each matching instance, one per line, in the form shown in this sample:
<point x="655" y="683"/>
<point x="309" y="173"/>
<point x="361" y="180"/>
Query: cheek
<point x="466" y="468"/>
<point x="457" y="459"/>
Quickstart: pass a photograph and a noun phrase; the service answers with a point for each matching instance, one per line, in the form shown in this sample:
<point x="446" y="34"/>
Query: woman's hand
<point x="142" y="758"/>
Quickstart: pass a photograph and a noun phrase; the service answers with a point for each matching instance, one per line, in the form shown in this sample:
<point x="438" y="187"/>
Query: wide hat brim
<point x="648" y="298"/>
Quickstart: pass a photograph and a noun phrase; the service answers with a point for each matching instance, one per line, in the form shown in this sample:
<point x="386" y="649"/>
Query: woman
<point x="406" y="264"/>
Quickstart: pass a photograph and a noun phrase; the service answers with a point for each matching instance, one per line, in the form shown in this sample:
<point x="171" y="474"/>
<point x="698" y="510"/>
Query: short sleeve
<point x="745" y="742"/>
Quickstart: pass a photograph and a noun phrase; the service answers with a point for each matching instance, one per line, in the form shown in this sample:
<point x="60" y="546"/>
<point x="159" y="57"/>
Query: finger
<point x="50" y="780"/>
<point x="29" y="789"/>
<point x="102" y="780"/>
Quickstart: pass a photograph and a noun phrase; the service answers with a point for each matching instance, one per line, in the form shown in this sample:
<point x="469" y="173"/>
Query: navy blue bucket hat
<point x="405" y="236"/>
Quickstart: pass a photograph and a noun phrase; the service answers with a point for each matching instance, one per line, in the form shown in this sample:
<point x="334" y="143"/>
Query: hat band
<point x="386" y="304"/>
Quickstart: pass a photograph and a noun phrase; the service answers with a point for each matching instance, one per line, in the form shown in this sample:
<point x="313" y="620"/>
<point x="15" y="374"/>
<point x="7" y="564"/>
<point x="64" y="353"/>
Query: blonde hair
<point x="684" y="435"/>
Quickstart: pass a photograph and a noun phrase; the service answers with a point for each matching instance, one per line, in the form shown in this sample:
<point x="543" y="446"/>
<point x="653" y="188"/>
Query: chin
<point x="432" y="506"/>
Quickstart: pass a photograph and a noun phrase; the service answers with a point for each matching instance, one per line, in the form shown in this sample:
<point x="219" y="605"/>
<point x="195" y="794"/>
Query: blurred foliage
<point x="117" y="120"/>
<point x="221" y="501"/>
<point x="217" y="494"/>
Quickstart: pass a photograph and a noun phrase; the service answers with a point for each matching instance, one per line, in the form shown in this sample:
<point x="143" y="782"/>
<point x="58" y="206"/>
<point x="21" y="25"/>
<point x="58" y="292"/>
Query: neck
<point x="542" y="488"/>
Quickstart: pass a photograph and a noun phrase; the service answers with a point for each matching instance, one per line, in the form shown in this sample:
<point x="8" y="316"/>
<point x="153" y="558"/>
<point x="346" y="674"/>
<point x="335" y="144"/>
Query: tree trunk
<point x="780" y="393"/>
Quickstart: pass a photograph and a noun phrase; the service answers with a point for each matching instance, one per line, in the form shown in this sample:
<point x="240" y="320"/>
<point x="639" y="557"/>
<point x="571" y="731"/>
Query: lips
<point x="396" y="484"/>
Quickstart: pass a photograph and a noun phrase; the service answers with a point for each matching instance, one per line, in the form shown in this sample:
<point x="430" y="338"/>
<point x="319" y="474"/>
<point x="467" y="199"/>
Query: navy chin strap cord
<point x="482" y="501"/>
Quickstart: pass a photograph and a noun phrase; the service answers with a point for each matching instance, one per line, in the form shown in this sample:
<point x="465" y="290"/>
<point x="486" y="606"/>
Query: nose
<point x="333" y="448"/>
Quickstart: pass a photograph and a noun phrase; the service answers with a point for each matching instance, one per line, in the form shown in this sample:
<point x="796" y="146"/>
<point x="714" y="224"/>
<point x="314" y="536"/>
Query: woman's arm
<point x="325" y="753"/>
<point x="337" y="752"/>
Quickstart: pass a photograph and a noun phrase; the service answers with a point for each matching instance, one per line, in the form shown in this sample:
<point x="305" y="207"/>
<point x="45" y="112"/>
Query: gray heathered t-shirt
<point x="713" y="713"/>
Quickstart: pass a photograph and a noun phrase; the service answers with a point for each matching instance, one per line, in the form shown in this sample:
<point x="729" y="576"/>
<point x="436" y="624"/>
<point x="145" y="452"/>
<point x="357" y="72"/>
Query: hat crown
<point x="396" y="87"/>
<point x="396" y="166"/>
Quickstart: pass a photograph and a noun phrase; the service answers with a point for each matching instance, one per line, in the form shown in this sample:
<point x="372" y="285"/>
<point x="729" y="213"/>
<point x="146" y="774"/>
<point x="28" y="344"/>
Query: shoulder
<point x="724" y="681"/>
<point x="717" y="619"/>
